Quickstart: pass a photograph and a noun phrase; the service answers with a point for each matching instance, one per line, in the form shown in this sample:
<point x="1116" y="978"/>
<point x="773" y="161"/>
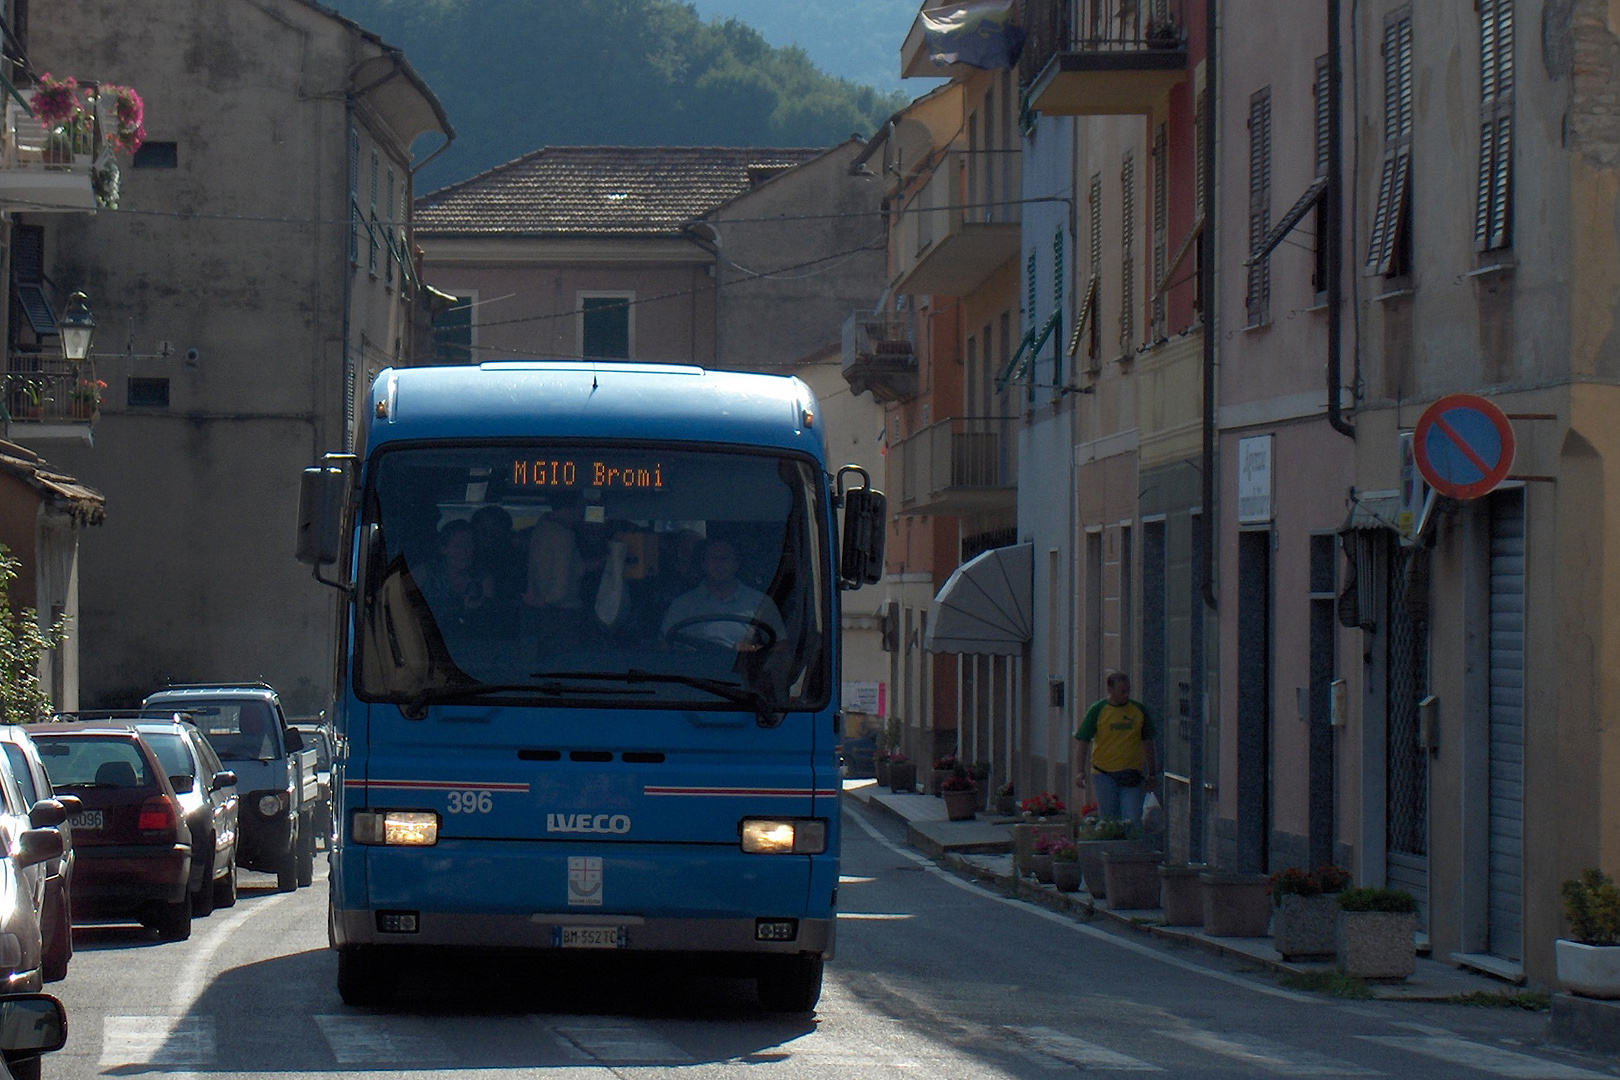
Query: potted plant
<point x="1375" y="934"/>
<point x="86" y="398"/>
<point x="1162" y="34"/>
<point x="1044" y="855"/>
<point x="1181" y="894"/>
<point x="1044" y="816"/>
<point x="979" y="773"/>
<point x="961" y="797"/>
<point x="1065" y="864"/>
<point x="944" y="767"/>
<point x="1131" y="879"/>
<point x="1006" y="799"/>
<point x="1588" y="961"/>
<point x="1235" y="904"/>
<point x="880" y="767"/>
<point x="902" y="773"/>
<point x="1038" y="808"/>
<point x="1098" y="835"/>
<point x="1304" y="922"/>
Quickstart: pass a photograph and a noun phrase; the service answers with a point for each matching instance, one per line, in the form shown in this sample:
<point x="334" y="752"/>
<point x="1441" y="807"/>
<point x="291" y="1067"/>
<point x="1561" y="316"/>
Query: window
<point x="1389" y="245"/>
<point x="605" y="326"/>
<point x="156" y="155"/>
<point x="1493" y="218"/>
<point x="354" y="197"/>
<point x="147" y="393"/>
<point x="371" y="262"/>
<point x="453" y="332"/>
<point x="1161" y="227"/>
<point x="1258" y="301"/>
<point x="1127" y="246"/>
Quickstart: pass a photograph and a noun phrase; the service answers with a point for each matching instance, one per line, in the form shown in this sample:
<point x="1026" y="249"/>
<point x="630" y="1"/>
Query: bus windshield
<point x="594" y="575"/>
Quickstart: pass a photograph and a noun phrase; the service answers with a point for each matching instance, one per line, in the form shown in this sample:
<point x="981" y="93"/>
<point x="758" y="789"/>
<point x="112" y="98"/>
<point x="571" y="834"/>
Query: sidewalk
<point x="982" y="849"/>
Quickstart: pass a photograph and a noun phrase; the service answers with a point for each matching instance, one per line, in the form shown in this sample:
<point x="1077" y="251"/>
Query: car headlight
<point x="270" y="805"/>
<point x="784" y="836"/>
<point x="396" y="828"/>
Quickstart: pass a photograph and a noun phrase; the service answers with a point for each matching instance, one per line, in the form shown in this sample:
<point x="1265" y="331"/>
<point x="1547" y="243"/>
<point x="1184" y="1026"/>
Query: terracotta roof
<point x="601" y="190"/>
<point x="60" y="490"/>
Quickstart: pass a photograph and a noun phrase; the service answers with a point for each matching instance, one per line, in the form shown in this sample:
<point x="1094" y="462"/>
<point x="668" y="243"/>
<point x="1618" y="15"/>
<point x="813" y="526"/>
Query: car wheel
<point x="173" y="921"/>
<point x="54" y="961"/>
<point x="202" y="897"/>
<point x="225" y="887"/>
<point x="24" y="1068"/>
<point x="790" y="984"/>
<point x="287" y="865"/>
<point x="306" y="852"/>
<point x="366" y="976"/>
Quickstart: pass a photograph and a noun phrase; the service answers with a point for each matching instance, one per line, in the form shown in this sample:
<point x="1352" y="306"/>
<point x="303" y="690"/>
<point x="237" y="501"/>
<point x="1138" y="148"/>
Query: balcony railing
<point x="964" y="465"/>
<point x="43" y="391"/>
<point x="1102" y="57"/>
<point x="46" y="170"/>
<point x="960" y="225"/>
<point x="879" y="356"/>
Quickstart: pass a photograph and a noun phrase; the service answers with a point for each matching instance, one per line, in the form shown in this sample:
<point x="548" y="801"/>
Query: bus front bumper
<point x="545" y="930"/>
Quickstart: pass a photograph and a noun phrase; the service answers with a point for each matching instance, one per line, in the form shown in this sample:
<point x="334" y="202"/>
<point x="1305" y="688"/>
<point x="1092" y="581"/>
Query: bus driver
<point x="722" y="610"/>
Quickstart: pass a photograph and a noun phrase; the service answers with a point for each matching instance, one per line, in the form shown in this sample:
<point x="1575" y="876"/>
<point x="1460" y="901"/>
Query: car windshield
<point x="589" y="575"/>
<point x="93" y="761"/>
<point x="171" y="752"/>
<point x="237" y="730"/>
<point x="20" y="770"/>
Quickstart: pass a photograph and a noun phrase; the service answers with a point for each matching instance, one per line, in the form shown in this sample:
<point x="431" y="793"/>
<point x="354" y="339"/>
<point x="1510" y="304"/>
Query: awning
<point x="1376" y="510"/>
<point x="987" y="606"/>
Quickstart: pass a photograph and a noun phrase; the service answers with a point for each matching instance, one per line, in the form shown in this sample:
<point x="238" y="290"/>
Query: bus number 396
<point x="470" y="802"/>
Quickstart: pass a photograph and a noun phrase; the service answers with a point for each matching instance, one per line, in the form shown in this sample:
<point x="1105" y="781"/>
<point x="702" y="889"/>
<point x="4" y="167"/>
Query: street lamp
<point x="76" y="327"/>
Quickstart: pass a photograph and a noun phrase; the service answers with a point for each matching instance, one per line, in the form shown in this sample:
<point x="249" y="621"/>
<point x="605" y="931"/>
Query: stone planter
<point x="1024" y="842"/>
<point x="1588" y="970"/>
<point x="1305" y="927"/>
<point x="1376" y="945"/>
<point x="880" y="769"/>
<point x="1039" y="865"/>
<point x="1066" y="875"/>
<point x="981" y="794"/>
<point x="1090" y="854"/>
<point x="1006" y="805"/>
<point x="1131" y="879"/>
<point x="1181" y="895"/>
<point x="903" y="777"/>
<point x="960" y="805"/>
<point x="1235" y="905"/>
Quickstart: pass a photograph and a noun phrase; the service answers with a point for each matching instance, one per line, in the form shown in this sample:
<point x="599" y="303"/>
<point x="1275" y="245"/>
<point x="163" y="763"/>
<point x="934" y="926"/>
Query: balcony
<point x="960" y="466"/>
<point x="1102" y="57"/>
<point x="960" y="226"/>
<point x="42" y="170"/>
<point x="879" y="356"/>
<point x="48" y="397"/>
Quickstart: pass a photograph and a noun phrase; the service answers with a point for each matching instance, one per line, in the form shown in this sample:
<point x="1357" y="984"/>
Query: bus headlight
<point x="396" y="828"/>
<point x="784" y="836"/>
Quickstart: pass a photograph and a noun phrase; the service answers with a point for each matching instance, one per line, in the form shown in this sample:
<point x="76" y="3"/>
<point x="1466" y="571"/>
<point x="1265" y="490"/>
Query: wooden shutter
<point x="1388" y="246"/>
<point x="1161" y="225"/>
<point x="1127" y="287"/>
<point x="1492" y="225"/>
<point x="1259" y="297"/>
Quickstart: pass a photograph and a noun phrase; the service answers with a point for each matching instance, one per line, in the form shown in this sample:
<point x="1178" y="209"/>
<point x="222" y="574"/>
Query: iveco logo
<point x="587" y="823"/>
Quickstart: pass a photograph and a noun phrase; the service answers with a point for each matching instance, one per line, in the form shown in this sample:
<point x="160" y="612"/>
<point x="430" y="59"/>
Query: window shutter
<point x="1321" y="115"/>
<point x="389" y="232"/>
<point x="1161" y="226"/>
<point x="372" y="261"/>
<point x="1094" y="347"/>
<point x="1388" y="243"/>
<point x="354" y="196"/>
<point x="1492" y="229"/>
<point x="1259" y="298"/>
<point x="1127" y="288"/>
<point x="1057" y="309"/>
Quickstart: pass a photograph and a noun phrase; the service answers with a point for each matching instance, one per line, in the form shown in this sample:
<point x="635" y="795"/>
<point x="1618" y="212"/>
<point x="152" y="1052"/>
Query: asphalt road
<point x="935" y="977"/>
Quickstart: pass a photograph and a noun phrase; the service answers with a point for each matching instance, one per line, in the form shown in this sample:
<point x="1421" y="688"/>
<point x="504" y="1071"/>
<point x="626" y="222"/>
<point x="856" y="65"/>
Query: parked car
<point x="22" y="882"/>
<point x="42" y="801"/>
<point x="275" y="773"/>
<point x="132" y="847"/>
<point x="30" y="1025"/>
<point x="318" y="737"/>
<point x="207" y="793"/>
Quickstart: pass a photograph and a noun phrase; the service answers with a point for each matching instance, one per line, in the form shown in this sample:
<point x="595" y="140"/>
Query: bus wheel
<point x="366" y="976"/>
<point x="790" y="984"/>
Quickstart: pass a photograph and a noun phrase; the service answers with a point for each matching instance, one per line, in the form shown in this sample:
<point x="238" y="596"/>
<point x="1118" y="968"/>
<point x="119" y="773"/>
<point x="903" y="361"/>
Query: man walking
<point x="1116" y="752"/>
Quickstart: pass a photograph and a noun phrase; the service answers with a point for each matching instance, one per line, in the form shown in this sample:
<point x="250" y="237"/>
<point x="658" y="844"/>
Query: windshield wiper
<point x="765" y="712"/>
<point x="548" y="683"/>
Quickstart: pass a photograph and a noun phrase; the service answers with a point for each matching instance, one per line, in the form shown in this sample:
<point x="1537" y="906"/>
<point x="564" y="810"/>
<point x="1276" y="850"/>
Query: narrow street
<point x="934" y="977"/>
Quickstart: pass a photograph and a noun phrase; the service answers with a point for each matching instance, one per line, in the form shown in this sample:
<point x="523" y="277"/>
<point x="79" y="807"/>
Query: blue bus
<point x="587" y="671"/>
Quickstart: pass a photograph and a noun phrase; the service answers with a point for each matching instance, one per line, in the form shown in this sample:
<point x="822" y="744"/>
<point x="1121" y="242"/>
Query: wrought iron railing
<point x="1095" y="26"/>
<point x="50" y="390"/>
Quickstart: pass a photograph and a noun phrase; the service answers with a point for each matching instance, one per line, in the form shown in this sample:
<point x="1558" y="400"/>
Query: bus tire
<point x="306" y="851"/>
<point x="790" y="984"/>
<point x="365" y="976"/>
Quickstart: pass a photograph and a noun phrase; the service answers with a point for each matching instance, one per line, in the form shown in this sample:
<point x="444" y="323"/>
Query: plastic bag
<point x="1152" y="813"/>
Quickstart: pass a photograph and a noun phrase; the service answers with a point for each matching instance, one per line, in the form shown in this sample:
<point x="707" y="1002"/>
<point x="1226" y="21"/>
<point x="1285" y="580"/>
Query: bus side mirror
<point x="321" y="494"/>
<point x="861" y="553"/>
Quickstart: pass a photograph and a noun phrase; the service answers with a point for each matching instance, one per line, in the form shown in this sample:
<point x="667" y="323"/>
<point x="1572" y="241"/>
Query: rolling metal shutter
<point x="1507" y="726"/>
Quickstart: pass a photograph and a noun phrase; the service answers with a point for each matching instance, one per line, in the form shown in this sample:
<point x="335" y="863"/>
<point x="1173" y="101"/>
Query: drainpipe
<point x="1206" y="569"/>
<point x="1334" y="226"/>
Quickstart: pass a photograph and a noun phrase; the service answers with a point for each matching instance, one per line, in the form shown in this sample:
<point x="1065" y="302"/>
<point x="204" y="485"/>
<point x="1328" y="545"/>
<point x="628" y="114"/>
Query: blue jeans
<point x="1119" y="803"/>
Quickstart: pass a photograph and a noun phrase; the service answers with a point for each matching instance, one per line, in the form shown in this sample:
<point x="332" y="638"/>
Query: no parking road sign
<point x="1463" y="445"/>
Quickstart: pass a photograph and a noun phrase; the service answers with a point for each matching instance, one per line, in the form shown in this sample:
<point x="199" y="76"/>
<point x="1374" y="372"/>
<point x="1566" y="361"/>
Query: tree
<point x="23" y="698"/>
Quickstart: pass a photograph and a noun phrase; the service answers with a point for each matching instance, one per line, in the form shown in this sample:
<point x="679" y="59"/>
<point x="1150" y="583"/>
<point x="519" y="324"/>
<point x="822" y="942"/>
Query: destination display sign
<point x="569" y="473"/>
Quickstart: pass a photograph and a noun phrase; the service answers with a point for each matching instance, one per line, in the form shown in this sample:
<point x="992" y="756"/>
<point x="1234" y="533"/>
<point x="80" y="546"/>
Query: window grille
<point x="1389" y="245"/>
<point x="1493" y="227"/>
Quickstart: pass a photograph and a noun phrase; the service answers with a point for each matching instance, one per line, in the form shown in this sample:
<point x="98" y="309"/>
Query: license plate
<point x="89" y="819"/>
<point x="588" y="937"/>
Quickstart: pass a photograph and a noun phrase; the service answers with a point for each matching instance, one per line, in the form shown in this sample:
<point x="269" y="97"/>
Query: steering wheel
<point x="762" y="634"/>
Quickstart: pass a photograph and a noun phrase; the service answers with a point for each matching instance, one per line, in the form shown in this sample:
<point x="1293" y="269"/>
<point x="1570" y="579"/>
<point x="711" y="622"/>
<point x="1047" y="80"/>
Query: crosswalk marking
<point x="1491" y="1059"/>
<point x="1268" y="1055"/>
<point x="624" y="1041"/>
<point x="1075" y="1051"/>
<point x="157" y="1040"/>
<point x="357" y="1040"/>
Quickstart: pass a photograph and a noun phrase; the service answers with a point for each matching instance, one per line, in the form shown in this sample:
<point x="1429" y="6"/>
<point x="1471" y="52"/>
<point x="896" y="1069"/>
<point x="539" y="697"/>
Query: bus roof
<point x="583" y="400"/>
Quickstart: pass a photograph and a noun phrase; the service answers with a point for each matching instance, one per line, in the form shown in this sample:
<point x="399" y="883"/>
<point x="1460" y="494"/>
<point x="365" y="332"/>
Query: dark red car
<point x="131" y="844"/>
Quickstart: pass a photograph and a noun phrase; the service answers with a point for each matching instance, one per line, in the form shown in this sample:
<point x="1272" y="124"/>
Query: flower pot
<point x="1306" y="927"/>
<point x="880" y="769"/>
<point x="1024" y="845"/>
<point x="1181" y="895"/>
<point x="1006" y="805"/>
<point x="1131" y="879"/>
<point x="903" y="776"/>
<point x="83" y="410"/>
<point x="1589" y="970"/>
<point x="1039" y="865"/>
<point x="960" y="805"/>
<point x="936" y="780"/>
<point x="1235" y="905"/>
<point x="1089" y="853"/>
<point x="1066" y="875"/>
<point x="1376" y="945"/>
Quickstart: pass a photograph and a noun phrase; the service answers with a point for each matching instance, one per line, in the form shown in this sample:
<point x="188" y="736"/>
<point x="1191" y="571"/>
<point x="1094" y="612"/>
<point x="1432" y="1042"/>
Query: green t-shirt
<point x="1116" y="734"/>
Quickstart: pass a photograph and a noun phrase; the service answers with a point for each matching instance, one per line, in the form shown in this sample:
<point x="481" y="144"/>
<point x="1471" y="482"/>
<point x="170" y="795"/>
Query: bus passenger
<point x="722" y="610"/>
<point x="454" y="585"/>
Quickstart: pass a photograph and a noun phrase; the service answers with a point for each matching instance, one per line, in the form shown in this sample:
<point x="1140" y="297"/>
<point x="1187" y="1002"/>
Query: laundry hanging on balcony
<point x="987" y="605"/>
<point x="978" y="33"/>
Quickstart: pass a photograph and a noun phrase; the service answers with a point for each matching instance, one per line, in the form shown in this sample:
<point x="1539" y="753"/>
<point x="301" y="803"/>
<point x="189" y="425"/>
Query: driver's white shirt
<point x="745" y="603"/>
